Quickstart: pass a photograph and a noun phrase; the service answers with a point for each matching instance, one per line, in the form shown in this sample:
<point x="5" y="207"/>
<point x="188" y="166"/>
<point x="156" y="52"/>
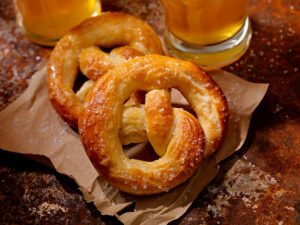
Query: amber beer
<point x="45" y="21"/>
<point x="205" y="22"/>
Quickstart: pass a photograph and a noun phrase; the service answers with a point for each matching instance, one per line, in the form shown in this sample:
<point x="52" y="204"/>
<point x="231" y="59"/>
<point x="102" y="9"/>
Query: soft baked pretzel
<point x="183" y="143"/>
<point x="108" y="30"/>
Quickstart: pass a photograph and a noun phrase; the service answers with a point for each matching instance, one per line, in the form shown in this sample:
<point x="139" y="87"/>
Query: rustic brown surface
<point x="258" y="185"/>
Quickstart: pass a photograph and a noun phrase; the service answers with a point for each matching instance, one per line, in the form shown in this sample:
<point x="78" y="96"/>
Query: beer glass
<point x="46" y="21"/>
<point x="211" y="33"/>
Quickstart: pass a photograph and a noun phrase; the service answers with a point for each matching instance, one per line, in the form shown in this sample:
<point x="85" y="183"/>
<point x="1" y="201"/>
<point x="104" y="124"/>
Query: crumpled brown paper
<point x="31" y="126"/>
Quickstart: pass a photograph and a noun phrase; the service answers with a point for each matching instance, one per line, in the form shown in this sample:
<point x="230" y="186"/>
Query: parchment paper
<point x="31" y="126"/>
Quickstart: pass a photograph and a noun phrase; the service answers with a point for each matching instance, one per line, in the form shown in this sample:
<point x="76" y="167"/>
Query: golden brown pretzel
<point x="110" y="29"/>
<point x="101" y="120"/>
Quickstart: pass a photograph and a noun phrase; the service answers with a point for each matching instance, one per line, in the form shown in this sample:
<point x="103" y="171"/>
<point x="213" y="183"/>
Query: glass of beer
<point x="46" y="21"/>
<point x="211" y="33"/>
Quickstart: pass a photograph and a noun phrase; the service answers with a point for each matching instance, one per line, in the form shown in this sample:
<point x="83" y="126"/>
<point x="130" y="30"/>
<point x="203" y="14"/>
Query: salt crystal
<point x="85" y="105"/>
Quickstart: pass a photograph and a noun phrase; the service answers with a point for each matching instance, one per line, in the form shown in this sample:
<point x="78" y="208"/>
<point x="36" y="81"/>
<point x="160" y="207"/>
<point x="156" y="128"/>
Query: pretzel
<point x="180" y="135"/>
<point x="79" y="49"/>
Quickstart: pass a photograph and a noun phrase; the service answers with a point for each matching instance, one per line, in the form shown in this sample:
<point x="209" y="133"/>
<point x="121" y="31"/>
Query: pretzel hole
<point x="135" y="99"/>
<point x="142" y="151"/>
<point x="108" y="50"/>
<point x="179" y="101"/>
<point x="79" y="81"/>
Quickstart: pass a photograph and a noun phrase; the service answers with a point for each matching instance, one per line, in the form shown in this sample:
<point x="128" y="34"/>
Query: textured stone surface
<point x="258" y="185"/>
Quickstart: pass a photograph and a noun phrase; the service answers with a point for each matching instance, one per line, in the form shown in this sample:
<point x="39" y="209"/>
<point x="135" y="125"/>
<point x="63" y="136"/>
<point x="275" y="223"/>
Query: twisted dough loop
<point x="106" y="31"/>
<point x="152" y="122"/>
<point x="100" y="122"/>
<point x="94" y="63"/>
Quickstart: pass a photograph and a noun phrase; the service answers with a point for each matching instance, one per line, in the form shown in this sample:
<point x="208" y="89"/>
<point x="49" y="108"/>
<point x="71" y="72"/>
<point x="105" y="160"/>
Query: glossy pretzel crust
<point x="108" y="30"/>
<point x="100" y="122"/>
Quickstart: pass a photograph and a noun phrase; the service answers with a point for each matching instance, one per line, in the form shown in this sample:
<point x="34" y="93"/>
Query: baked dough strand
<point x="102" y="118"/>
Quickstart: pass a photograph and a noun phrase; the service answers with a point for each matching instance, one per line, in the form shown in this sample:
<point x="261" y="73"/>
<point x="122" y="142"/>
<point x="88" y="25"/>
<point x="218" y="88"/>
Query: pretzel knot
<point x="177" y="136"/>
<point x="79" y="48"/>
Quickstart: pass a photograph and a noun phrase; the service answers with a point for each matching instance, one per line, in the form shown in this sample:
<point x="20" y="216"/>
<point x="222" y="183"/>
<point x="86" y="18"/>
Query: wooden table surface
<point x="260" y="184"/>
